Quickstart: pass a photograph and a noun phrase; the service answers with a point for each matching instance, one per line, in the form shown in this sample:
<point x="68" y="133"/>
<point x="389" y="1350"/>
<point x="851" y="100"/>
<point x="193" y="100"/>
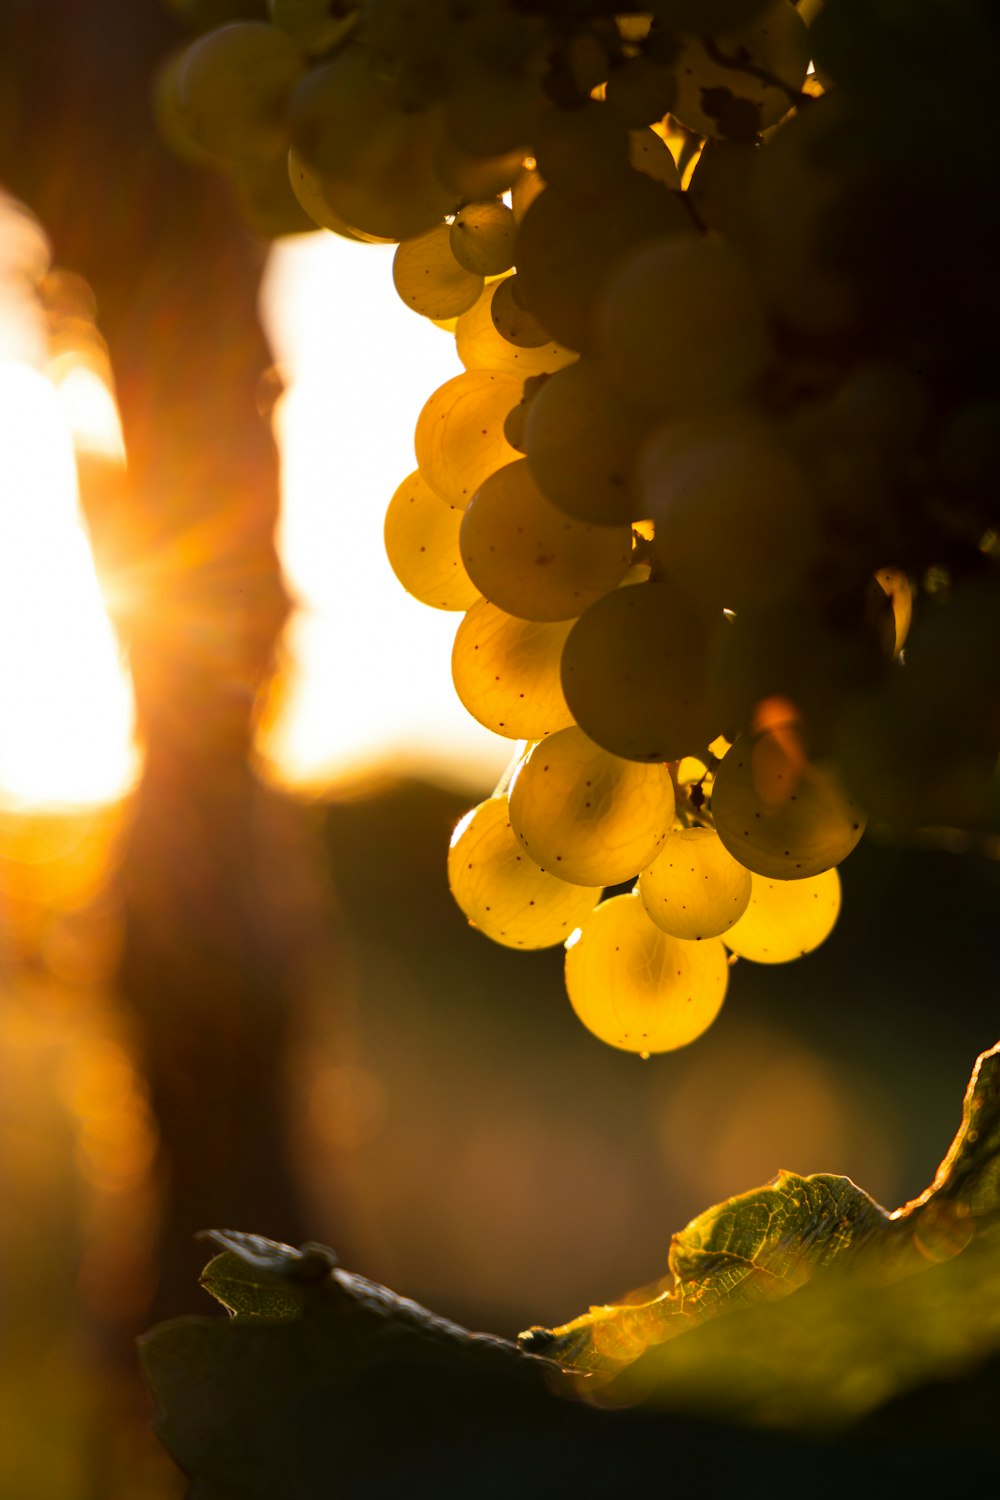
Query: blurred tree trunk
<point x="189" y="542"/>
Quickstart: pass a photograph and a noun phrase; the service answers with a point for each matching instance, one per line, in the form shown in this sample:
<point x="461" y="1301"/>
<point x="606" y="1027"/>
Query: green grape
<point x="587" y="816"/>
<point x="694" y="889"/>
<point x="796" y="654"/>
<point x="633" y="672"/>
<point x="526" y="187"/>
<point x="577" y="149"/>
<point x="531" y="559"/>
<point x="733" y="514"/>
<point x="315" y="26"/>
<point x="234" y="86"/>
<point x="706" y="16"/>
<point x="506" y="672"/>
<point x="681" y="327"/>
<point x="781" y="815"/>
<point x="421" y="543"/>
<point x="495" y="97"/>
<point x="786" y="919"/>
<point x="720" y="87"/>
<point x="640" y="91"/>
<point x="482" y="237"/>
<point x="720" y="186"/>
<point x="172" y="117"/>
<point x="459" y="439"/>
<point x="373" y="158"/>
<point x="429" y="279"/>
<point x="267" y="201"/>
<point x="481" y="346"/>
<point x="568" y="243"/>
<point x="309" y="190"/>
<point x="503" y="892"/>
<point x="637" y="988"/>
<point x="649" y="153"/>
<point x="512" y="320"/>
<point x="581" y="437"/>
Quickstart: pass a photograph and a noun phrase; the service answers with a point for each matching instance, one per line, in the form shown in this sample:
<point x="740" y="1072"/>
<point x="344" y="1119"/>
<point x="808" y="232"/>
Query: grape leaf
<point x="768" y="1242"/>
<point x="819" y="1331"/>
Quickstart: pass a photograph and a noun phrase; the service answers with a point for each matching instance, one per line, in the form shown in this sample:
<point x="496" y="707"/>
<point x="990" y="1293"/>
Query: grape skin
<point x="637" y="988"/>
<point x="502" y="891"/>
<point x="587" y="816"/>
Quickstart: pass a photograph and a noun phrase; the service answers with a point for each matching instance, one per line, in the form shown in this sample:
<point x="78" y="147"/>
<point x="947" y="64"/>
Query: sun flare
<point x="66" y="707"/>
<point x="366" y="689"/>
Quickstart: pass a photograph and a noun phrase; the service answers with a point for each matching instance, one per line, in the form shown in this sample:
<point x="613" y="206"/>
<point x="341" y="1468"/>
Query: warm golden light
<point x="66" y="708"/>
<point x="367" y="688"/>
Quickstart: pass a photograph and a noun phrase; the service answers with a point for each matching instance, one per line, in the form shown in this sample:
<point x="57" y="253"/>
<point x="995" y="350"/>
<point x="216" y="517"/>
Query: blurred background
<point x="234" y="991"/>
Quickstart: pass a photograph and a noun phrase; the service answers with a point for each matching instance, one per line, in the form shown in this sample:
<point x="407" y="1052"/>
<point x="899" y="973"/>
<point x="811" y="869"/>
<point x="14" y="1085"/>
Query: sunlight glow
<point x="66" y="709"/>
<point x="366" y="689"/>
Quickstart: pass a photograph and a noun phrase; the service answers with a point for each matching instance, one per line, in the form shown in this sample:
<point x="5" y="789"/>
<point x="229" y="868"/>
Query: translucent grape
<point x="513" y="320"/>
<point x="732" y="510"/>
<point x="786" y="918"/>
<point x="421" y="543"/>
<point x="568" y="243"/>
<point x="482" y="237"/>
<point x="481" y="346"/>
<point x="503" y="892"/>
<point x="587" y="816"/>
<point x="429" y="279"/>
<point x="719" y="189"/>
<point x="506" y="672"/>
<point x="531" y="559"/>
<point x="724" y="85"/>
<point x="649" y="153"/>
<point x="576" y="148"/>
<point x="374" y="158"/>
<point x="234" y="85"/>
<point x="310" y="192"/>
<point x="459" y="438"/>
<point x="681" y="326"/>
<point x="640" y="91"/>
<point x="581" y="438"/>
<point x="637" y="988"/>
<point x="694" y="889"/>
<point x="634" y="672"/>
<point x="782" y="816"/>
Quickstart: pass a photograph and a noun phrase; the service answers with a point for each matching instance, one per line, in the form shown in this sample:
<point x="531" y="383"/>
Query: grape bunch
<point x="715" y="488"/>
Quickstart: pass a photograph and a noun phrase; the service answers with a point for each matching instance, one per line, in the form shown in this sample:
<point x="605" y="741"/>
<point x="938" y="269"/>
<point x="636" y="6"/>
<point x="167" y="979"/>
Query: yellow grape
<point x="775" y="43"/>
<point x="781" y="815"/>
<point x="421" y="543"/>
<point x="482" y="237"/>
<point x="649" y="153"/>
<point x="588" y="816"/>
<point x="533" y="560"/>
<point x="734" y="514"/>
<point x="506" y="672"/>
<point x="694" y="888"/>
<point x="233" y="87"/>
<point x="633" y="672"/>
<point x="308" y="187"/>
<point x="459" y="439"/>
<point x="786" y="918"/>
<point x="429" y="279"/>
<point x="636" y="987"/>
<point x="568" y="242"/>
<point x="681" y="326"/>
<point x="481" y="346"/>
<point x="581" y="438"/>
<point x="374" y="158"/>
<point x="503" y="892"/>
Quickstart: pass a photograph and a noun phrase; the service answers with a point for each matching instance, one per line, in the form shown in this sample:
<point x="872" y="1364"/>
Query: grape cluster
<point x="715" y="488"/>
